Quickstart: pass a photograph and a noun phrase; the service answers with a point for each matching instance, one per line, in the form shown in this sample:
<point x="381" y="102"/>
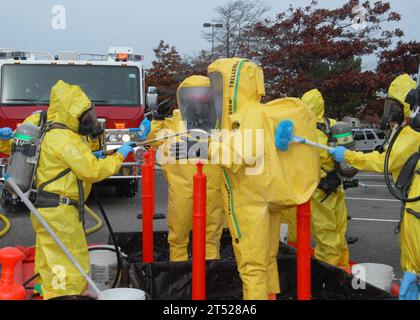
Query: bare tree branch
<point x="237" y="16"/>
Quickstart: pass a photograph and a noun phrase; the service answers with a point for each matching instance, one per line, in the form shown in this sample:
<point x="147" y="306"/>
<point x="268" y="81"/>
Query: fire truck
<point x="114" y="82"/>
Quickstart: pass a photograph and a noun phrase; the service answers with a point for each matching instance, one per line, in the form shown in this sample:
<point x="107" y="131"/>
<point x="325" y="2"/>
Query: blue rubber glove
<point x="125" y="149"/>
<point x="99" y="154"/>
<point x="338" y="153"/>
<point x="6" y="133"/>
<point x="145" y="126"/>
<point x="409" y="289"/>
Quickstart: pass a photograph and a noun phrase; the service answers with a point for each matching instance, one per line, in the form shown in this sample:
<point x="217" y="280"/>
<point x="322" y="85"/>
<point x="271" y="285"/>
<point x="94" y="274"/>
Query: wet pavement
<point x="373" y="210"/>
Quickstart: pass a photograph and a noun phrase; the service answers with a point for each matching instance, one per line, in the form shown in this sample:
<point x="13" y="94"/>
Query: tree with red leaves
<point x="404" y="58"/>
<point x="167" y="71"/>
<point x="197" y="64"/>
<point x="311" y="47"/>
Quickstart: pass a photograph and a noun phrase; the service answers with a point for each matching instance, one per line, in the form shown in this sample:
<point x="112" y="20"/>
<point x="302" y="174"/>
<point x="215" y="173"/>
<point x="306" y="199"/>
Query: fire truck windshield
<point x="29" y="84"/>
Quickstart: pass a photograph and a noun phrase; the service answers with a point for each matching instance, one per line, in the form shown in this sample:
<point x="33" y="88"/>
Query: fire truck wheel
<point x="127" y="188"/>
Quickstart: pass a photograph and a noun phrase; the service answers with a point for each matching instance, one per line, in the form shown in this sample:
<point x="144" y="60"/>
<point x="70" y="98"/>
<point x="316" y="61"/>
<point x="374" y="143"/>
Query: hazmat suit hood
<point x="315" y="102"/>
<point x="243" y="88"/>
<point x="399" y="89"/>
<point x="67" y="104"/>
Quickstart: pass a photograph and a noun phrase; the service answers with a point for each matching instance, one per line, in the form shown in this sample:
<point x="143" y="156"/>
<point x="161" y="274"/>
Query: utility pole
<point x="212" y="26"/>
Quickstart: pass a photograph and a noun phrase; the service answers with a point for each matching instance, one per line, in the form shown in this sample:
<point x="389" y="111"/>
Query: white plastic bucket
<point x="376" y="274"/>
<point x="123" y="294"/>
<point x="103" y="266"/>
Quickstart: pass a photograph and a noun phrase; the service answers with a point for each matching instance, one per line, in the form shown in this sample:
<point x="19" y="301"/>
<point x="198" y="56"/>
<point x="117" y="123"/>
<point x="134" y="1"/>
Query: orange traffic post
<point x="304" y="251"/>
<point x="9" y="290"/>
<point x="199" y="235"/>
<point x="148" y="203"/>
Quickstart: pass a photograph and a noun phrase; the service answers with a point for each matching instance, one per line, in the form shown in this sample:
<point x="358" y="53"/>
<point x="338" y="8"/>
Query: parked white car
<point x="367" y="139"/>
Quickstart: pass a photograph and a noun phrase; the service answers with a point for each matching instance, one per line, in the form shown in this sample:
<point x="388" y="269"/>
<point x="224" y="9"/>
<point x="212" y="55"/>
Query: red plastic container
<point x="9" y="289"/>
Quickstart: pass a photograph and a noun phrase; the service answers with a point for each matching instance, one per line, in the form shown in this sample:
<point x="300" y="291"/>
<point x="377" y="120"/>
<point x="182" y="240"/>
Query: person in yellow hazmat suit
<point x="39" y="119"/>
<point x="195" y="111"/>
<point x="258" y="180"/>
<point x="328" y="207"/>
<point x="66" y="170"/>
<point x="401" y="159"/>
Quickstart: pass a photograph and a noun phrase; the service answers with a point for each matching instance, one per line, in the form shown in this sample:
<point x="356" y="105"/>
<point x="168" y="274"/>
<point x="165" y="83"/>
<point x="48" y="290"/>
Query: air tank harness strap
<point x="42" y="124"/>
<point x="58" y="176"/>
<point x="414" y="213"/>
<point x="407" y="173"/>
<point x="397" y="228"/>
<point x="56" y="125"/>
<point x="404" y="181"/>
<point x="325" y="128"/>
<point x="45" y="199"/>
<point x="81" y="204"/>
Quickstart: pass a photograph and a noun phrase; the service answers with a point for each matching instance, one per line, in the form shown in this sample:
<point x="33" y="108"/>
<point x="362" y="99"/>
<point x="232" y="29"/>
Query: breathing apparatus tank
<point x="342" y="132"/>
<point x="24" y="156"/>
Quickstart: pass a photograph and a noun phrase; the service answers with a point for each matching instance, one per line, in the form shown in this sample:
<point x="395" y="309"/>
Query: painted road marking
<point x="376" y="185"/>
<point x="374" y="220"/>
<point x="372" y="175"/>
<point x="372" y="199"/>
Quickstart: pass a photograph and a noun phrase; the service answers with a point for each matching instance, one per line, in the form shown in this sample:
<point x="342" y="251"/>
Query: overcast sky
<point x="94" y="25"/>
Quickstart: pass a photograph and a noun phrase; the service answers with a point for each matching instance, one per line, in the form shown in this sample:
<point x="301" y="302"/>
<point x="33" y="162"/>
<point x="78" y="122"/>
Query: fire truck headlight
<point x="112" y="137"/>
<point x="126" y="138"/>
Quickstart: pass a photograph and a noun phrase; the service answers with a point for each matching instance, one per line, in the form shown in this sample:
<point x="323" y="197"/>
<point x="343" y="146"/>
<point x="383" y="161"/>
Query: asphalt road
<point x="376" y="239"/>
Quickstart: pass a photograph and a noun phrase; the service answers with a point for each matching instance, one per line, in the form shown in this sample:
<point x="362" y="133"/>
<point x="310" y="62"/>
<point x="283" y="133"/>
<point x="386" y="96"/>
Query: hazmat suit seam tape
<point x="231" y="204"/>
<point x="235" y="91"/>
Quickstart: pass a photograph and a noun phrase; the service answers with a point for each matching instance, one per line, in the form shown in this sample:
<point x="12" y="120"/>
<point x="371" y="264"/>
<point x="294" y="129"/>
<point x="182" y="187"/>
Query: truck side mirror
<point x="151" y="97"/>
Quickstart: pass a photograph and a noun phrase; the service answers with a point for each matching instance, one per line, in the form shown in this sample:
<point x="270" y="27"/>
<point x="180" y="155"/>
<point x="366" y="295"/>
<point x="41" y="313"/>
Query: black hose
<point x="36" y="275"/>
<point x="111" y="233"/>
<point x="386" y="171"/>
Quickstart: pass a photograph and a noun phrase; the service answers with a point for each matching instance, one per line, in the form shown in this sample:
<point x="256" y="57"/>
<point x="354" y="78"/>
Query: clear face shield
<point x="413" y="99"/>
<point x="197" y="108"/>
<point x="393" y="114"/>
<point x="89" y="124"/>
<point x="216" y="80"/>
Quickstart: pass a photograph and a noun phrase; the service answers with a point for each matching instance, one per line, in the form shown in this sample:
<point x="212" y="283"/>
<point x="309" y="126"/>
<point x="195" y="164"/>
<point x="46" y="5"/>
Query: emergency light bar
<point x="123" y="54"/>
<point x="15" y="55"/>
<point x="117" y="54"/>
<point x="124" y="57"/>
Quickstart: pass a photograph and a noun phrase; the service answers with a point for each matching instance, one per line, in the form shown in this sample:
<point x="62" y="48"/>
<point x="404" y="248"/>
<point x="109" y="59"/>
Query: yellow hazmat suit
<point x="329" y="215"/>
<point x="406" y="144"/>
<point x="5" y="145"/>
<point x="61" y="149"/>
<point x="180" y="189"/>
<point x="259" y="180"/>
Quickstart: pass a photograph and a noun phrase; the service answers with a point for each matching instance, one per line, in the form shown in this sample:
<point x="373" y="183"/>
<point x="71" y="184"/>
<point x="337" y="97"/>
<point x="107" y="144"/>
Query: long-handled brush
<point x="284" y="136"/>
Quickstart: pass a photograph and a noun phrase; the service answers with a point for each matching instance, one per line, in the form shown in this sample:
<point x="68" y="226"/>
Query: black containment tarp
<point x="172" y="280"/>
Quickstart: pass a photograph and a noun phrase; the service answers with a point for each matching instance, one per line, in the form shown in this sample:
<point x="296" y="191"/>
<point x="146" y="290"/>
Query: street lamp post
<point x="212" y="26"/>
